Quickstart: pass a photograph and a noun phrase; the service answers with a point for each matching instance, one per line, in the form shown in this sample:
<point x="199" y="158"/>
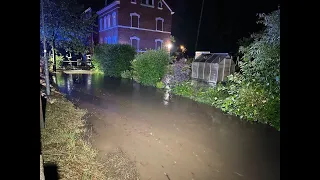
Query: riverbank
<point x="63" y="144"/>
<point x="251" y="104"/>
<point x="66" y="143"/>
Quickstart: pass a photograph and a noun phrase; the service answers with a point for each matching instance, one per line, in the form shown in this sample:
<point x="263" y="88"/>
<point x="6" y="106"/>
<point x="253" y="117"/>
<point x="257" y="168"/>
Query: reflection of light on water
<point x="69" y="84"/>
<point x="166" y="96"/>
<point x="89" y="81"/>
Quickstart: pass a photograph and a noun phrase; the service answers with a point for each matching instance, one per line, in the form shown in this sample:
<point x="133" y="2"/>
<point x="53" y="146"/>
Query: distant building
<point x="144" y="24"/>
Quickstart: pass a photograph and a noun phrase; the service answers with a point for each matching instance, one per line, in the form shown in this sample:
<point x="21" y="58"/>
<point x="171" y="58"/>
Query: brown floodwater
<point x="171" y="137"/>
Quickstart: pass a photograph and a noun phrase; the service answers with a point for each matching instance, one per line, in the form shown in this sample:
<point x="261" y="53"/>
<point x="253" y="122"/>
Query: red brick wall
<point x="147" y="38"/>
<point x="147" y="15"/>
<point x="147" y="21"/>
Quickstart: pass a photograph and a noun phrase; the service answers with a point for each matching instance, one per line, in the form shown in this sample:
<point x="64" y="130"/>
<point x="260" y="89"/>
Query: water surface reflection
<point x="226" y="147"/>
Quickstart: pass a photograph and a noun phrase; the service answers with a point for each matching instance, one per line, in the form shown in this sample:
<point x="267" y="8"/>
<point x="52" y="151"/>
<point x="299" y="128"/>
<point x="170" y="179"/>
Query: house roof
<point x="212" y="57"/>
<point x="112" y="3"/>
<point x="164" y="2"/>
<point x="109" y="6"/>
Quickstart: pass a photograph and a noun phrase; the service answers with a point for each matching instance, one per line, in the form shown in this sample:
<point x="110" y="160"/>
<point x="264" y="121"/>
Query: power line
<point x="195" y="48"/>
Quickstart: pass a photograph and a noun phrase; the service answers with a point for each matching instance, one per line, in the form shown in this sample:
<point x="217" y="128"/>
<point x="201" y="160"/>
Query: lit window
<point x="109" y="24"/>
<point x="114" y="39"/>
<point x="105" y="22"/>
<point x="100" y="24"/>
<point x="109" y="40"/>
<point x="159" y="24"/>
<point x="114" y="22"/>
<point x="160" y="4"/>
<point x="135" y="19"/>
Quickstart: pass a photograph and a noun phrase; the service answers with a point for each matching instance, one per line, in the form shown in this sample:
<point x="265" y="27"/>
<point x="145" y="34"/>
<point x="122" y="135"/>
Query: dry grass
<point x="119" y="166"/>
<point x="63" y="143"/>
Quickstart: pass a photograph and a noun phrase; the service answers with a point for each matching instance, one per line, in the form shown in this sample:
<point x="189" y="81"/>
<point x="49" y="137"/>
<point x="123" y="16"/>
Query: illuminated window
<point x="105" y="22"/>
<point x="109" y="23"/>
<point x="114" y="39"/>
<point x="114" y="20"/>
<point x="101" y="24"/>
<point x="109" y="40"/>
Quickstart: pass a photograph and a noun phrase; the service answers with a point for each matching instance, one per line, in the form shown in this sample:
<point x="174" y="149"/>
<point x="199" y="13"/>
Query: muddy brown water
<point x="172" y="137"/>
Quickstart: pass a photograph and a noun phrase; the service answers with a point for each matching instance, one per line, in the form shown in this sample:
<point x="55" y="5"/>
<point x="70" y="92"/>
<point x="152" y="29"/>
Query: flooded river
<point x="167" y="134"/>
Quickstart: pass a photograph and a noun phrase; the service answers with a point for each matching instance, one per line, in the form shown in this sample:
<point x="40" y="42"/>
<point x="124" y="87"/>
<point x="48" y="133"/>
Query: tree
<point x="65" y="26"/>
<point x="261" y="58"/>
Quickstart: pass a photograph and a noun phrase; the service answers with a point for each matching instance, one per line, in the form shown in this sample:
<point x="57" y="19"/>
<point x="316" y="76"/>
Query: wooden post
<point x="224" y="65"/>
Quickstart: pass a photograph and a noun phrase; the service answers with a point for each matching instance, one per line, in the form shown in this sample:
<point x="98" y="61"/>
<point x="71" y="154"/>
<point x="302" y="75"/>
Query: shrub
<point x="177" y="73"/>
<point x="160" y="85"/>
<point x="127" y="74"/>
<point x="113" y="59"/>
<point x="150" y="67"/>
<point x="59" y="61"/>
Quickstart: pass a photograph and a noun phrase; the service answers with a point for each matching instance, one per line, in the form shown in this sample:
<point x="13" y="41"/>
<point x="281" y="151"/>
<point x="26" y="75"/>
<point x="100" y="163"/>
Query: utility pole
<point x="46" y="70"/>
<point x="195" y="48"/>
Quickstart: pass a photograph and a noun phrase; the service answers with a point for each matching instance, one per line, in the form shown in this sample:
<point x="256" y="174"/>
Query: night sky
<point x="223" y="21"/>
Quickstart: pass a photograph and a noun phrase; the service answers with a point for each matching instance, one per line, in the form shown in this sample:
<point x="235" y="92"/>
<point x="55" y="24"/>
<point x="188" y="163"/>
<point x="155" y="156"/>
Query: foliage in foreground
<point x="113" y="59"/>
<point x="255" y="93"/>
<point x="150" y="67"/>
<point x="63" y="143"/>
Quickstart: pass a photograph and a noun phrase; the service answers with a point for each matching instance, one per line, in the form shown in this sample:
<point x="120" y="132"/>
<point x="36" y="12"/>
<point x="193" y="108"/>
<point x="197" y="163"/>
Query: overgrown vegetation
<point x="254" y="93"/>
<point x="65" y="26"/>
<point x="150" y="67"/>
<point x="127" y="74"/>
<point x="63" y="143"/>
<point x="113" y="59"/>
<point x="59" y="61"/>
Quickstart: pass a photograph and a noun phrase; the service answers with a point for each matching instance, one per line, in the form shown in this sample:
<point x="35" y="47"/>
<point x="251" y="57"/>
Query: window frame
<point x="135" y="14"/>
<point x="159" y="19"/>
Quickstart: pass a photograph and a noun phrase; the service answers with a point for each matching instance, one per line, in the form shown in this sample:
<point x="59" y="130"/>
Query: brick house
<point x="144" y="24"/>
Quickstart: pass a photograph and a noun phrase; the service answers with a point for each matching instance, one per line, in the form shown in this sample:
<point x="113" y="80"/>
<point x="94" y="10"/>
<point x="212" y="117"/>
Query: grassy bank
<point x="247" y="102"/>
<point x="63" y="143"/>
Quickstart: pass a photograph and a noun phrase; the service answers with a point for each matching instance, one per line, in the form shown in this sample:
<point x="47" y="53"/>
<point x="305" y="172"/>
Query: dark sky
<point x="223" y="21"/>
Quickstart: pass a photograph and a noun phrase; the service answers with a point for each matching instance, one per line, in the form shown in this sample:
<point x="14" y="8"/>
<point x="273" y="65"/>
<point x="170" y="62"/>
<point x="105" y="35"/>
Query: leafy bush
<point x="113" y="59"/>
<point x="177" y="72"/>
<point x="184" y="89"/>
<point x="127" y="74"/>
<point x="160" y="85"/>
<point x="255" y="93"/>
<point x="150" y="67"/>
<point x="59" y="61"/>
